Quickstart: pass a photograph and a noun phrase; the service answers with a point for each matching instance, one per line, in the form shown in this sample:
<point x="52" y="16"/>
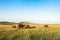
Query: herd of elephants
<point x="26" y="26"/>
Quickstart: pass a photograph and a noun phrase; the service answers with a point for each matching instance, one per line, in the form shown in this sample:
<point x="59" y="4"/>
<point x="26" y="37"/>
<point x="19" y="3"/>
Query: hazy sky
<point x="36" y="11"/>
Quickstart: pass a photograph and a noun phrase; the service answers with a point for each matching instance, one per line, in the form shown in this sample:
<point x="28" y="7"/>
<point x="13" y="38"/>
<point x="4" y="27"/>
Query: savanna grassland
<point x="52" y="32"/>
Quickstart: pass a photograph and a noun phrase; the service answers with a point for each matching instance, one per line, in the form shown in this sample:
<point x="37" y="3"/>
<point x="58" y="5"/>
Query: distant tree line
<point x="6" y="23"/>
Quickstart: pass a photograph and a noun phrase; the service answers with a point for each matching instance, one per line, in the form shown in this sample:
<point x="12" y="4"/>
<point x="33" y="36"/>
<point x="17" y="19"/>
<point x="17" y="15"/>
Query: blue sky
<point x="36" y="11"/>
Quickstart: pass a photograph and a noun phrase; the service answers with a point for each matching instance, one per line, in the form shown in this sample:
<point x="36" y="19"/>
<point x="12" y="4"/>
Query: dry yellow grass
<point x="52" y="32"/>
<point x="38" y="26"/>
<point x="7" y="27"/>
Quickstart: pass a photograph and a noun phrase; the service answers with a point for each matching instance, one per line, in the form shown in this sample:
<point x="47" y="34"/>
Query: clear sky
<point x="36" y="11"/>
